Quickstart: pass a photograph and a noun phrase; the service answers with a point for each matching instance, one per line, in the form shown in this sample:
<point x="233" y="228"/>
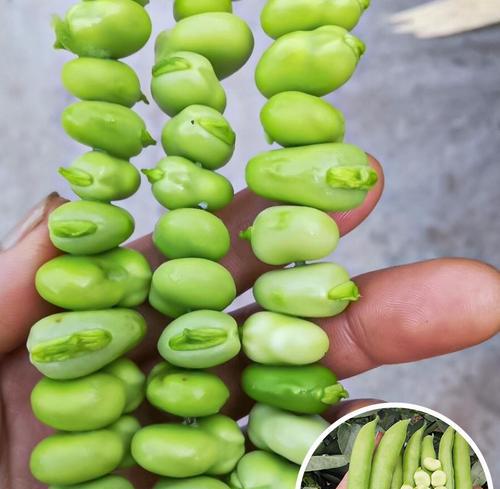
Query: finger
<point x="240" y="214"/>
<point x="412" y="312"/>
<point x="20" y="303"/>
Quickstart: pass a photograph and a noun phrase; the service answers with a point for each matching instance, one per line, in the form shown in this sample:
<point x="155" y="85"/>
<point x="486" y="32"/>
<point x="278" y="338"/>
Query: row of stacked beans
<point x="89" y="388"/>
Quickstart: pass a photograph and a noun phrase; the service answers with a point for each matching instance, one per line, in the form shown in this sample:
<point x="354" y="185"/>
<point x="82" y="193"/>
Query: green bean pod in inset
<point x="387" y="455"/>
<point x="361" y="457"/>
<point x="445" y="456"/>
<point x="461" y="463"/>
<point x="411" y="458"/>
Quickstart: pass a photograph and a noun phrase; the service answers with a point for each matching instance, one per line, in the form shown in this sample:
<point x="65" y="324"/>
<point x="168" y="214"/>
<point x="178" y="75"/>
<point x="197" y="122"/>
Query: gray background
<point x="429" y="110"/>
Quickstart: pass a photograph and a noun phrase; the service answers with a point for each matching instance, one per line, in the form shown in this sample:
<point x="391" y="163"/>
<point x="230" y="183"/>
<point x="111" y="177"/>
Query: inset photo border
<point x="329" y="459"/>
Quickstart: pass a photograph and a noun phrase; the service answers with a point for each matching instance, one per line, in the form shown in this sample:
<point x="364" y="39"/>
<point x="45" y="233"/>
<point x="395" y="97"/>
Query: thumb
<point x="22" y="252"/>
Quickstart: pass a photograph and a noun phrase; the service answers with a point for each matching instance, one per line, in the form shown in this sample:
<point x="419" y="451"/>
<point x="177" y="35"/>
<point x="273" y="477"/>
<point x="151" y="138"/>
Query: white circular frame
<point x="395" y="405"/>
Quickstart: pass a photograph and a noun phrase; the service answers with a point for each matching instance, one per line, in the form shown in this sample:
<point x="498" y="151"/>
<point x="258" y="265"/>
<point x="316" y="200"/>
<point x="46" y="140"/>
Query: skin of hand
<point x="437" y="306"/>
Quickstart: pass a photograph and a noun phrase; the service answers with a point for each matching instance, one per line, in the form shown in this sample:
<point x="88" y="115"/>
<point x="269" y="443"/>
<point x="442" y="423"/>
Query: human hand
<point x="407" y="313"/>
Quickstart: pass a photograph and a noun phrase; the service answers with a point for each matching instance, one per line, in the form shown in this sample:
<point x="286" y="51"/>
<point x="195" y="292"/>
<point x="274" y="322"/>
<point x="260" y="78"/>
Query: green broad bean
<point x="186" y="284"/>
<point x="119" y="277"/>
<point x="103" y="28"/>
<point x="200" y="482"/>
<point x="422" y="478"/>
<point x="258" y="469"/>
<point x="107" y="482"/>
<point x="102" y="177"/>
<point x="86" y="228"/>
<point x="174" y="450"/>
<point x="314" y="291"/>
<point x="387" y="455"/>
<point x="280" y="17"/>
<point x="276" y="339"/>
<point x="73" y="458"/>
<point x="411" y="457"/>
<point x="286" y="234"/>
<point x="308" y="389"/>
<point x="314" y="62"/>
<point x="177" y="183"/>
<point x="223" y="38"/>
<point x="200" y="134"/>
<point x="104" y="80"/>
<point x="186" y="393"/>
<point x="445" y="455"/>
<point x="200" y="339"/>
<point x="461" y="463"/>
<point x="186" y="8"/>
<point x="329" y="177"/>
<point x="300" y="119"/>
<point x="361" y="457"/>
<point x="287" y="434"/>
<point x="432" y="464"/>
<point x="438" y="478"/>
<point x="213" y="446"/>
<point x="184" y="233"/>
<point x="83" y="404"/>
<point x="107" y="127"/>
<point x="183" y="79"/>
<point x="69" y="345"/>
<point x="230" y="440"/>
<point x="126" y="427"/>
<point x="133" y="380"/>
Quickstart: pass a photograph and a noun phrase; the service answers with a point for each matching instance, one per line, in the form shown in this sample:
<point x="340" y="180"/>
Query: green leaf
<point x="478" y="476"/>
<point x="347" y="439"/>
<point x="326" y="462"/>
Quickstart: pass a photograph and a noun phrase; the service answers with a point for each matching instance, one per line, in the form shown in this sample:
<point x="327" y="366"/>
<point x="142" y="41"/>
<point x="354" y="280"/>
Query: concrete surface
<point x="429" y="110"/>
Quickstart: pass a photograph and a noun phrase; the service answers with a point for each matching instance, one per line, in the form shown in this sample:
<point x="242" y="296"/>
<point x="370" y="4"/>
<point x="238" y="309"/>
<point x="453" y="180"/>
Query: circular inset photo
<point x="394" y="446"/>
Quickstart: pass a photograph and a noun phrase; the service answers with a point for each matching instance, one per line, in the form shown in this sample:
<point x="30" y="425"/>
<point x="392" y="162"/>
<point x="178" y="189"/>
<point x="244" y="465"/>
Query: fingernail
<point x="32" y="219"/>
